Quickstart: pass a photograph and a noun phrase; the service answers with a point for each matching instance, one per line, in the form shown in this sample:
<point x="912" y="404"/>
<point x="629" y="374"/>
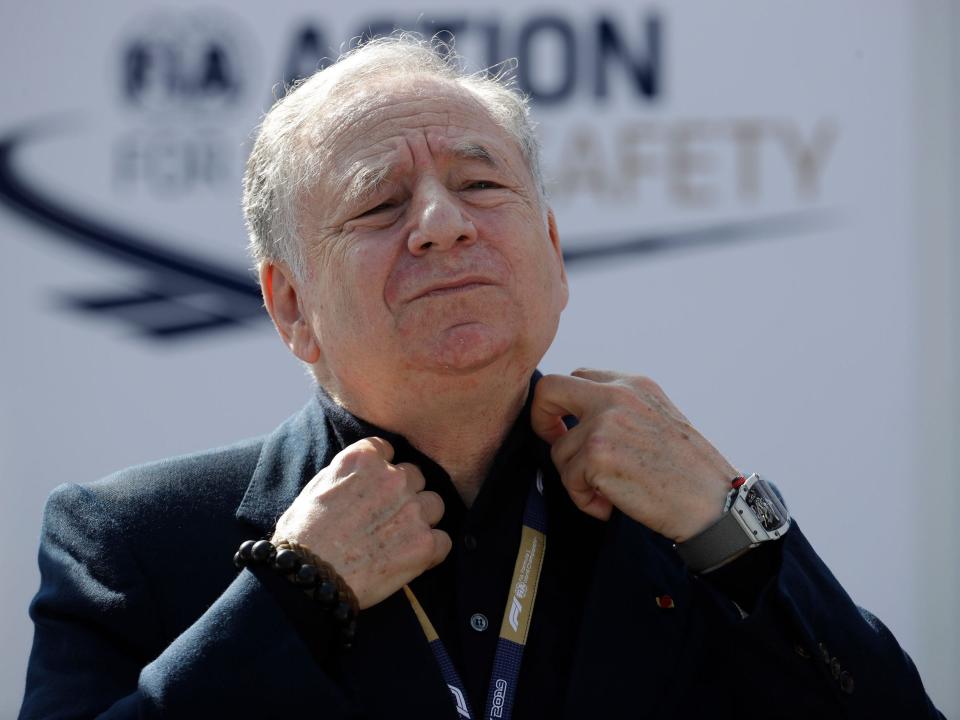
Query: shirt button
<point x="479" y="622"/>
<point x="470" y="542"/>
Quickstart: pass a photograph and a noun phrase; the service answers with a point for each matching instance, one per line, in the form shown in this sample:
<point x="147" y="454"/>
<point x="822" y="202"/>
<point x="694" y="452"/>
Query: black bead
<point x="326" y="593"/>
<point x="287" y="561"/>
<point x="306" y="576"/>
<point x="238" y="561"/>
<point x="244" y="551"/>
<point x="263" y="551"/>
<point x="343" y="613"/>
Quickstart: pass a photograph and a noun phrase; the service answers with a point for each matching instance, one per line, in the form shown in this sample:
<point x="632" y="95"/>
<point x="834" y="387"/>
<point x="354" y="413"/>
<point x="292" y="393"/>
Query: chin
<point x="468" y="348"/>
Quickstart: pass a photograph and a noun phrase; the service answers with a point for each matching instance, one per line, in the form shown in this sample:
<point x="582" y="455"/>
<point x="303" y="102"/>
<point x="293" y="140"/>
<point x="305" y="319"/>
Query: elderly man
<point x="436" y="483"/>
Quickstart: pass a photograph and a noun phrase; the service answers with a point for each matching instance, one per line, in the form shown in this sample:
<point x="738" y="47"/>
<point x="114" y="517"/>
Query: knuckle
<point x="354" y="457"/>
<point x="392" y="486"/>
<point x="410" y="513"/>
<point x="411" y="473"/>
<point x="621" y="394"/>
<point x="443" y="542"/>
<point x="597" y="449"/>
<point x="648" y="384"/>
<point x="546" y="385"/>
<point x="423" y="544"/>
<point x="432" y="501"/>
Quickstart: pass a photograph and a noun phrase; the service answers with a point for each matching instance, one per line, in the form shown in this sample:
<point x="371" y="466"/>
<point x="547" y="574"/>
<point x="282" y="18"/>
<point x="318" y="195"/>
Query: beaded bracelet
<point x="315" y="577"/>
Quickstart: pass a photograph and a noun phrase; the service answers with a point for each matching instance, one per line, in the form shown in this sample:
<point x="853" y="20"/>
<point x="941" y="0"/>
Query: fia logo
<point x="184" y="62"/>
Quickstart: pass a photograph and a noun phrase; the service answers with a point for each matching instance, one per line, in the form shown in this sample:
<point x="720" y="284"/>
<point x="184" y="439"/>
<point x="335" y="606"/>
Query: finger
<point x="378" y="445"/>
<point x="595" y="375"/>
<point x="415" y="480"/>
<point x="432" y="506"/>
<point x="599" y="507"/>
<point x="568" y="445"/>
<point x="583" y="493"/>
<point x="555" y="397"/>
<point x="442" y="545"/>
<point x="589" y="500"/>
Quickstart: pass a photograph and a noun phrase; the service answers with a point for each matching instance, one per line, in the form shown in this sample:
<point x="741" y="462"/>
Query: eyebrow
<point x="473" y="151"/>
<point x="366" y="182"/>
<point x="369" y="180"/>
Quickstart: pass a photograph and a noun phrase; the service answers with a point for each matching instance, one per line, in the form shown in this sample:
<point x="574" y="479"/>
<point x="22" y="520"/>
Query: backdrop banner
<point x="734" y="194"/>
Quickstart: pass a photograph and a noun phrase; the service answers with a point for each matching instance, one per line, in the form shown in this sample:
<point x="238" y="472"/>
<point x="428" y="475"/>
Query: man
<point x="408" y="257"/>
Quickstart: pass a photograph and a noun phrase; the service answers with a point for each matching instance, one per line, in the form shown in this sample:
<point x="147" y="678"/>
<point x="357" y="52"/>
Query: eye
<point x="483" y="185"/>
<point x="381" y="208"/>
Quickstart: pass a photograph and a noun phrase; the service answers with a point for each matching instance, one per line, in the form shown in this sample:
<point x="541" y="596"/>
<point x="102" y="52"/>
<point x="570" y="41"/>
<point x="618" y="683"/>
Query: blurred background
<point x="758" y="204"/>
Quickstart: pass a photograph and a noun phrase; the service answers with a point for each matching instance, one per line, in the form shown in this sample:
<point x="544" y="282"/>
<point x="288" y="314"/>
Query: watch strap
<point x="718" y="544"/>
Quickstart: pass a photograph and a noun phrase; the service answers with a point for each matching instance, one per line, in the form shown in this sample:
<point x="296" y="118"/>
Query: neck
<point x="465" y="441"/>
<point x="458" y="422"/>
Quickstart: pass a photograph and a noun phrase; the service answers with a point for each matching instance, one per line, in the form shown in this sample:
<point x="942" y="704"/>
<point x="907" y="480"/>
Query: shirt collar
<point x="516" y="460"/>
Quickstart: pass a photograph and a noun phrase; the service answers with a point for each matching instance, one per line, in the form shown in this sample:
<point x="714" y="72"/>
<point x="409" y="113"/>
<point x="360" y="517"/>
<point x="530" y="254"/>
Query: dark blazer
<point x="140" y="613"/>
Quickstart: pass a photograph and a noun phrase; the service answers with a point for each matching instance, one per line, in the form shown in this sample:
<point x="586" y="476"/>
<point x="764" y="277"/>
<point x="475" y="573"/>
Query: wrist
<point x="753" y="514"/>
<point x="314" y="577"/>
<point x="711" y="507"/>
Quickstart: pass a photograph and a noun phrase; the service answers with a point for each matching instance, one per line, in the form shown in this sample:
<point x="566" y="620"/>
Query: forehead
<point x="374" y="124"/>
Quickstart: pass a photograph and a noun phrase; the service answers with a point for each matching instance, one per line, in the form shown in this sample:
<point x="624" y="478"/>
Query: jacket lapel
<point x="290" y="457"/>
<point x="636" y="631"/>
<point x="391" y="668"/>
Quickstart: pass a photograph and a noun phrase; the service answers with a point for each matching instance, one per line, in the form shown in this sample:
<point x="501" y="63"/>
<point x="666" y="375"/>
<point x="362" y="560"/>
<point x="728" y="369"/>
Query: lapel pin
<point x="665" y="602"/>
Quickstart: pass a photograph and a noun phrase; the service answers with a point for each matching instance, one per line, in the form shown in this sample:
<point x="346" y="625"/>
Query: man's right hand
<point x="370" y="519"/>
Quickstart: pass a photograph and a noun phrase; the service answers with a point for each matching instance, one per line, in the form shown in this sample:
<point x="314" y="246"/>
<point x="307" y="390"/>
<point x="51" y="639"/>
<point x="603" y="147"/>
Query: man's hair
<point x="285" y="162"/>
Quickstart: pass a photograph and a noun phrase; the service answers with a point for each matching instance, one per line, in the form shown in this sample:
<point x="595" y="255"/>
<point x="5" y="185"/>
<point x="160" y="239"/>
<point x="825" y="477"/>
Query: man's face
<point x="427" y="250"/>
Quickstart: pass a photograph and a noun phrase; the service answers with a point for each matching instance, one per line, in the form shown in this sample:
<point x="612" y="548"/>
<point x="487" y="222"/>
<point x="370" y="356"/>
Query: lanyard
<point x="516" y="618"/>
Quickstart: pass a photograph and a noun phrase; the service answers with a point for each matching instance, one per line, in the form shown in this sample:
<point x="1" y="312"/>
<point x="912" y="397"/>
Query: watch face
<point x="766" y="506"/>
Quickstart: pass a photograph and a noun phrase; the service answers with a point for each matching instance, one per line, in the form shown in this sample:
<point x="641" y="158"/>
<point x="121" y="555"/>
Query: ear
<point x="283" y="300"/>
<point x="554" y="236"/>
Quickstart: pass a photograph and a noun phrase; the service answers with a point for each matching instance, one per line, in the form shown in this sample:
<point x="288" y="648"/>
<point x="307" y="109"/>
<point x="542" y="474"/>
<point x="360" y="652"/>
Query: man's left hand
<point x="632" y="449"/>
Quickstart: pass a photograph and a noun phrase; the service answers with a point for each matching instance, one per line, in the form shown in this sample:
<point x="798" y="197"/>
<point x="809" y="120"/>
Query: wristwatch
<point x="754" y="514"/>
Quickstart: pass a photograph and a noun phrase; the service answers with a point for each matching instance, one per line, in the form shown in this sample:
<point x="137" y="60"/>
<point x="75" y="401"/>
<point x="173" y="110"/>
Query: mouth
<point x="453" y="287"/>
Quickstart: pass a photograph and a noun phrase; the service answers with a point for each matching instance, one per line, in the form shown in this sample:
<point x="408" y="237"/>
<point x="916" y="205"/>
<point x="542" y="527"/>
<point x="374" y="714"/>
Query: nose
<point x="439" y="222"/>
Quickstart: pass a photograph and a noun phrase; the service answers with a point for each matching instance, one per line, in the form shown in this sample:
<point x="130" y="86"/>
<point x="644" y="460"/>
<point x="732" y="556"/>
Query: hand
<point x="632" y="449"/>
<point x="371" y="520"/>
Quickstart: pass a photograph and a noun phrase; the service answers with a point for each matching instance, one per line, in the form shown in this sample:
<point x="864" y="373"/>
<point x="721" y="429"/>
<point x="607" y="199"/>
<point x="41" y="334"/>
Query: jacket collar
<point x="290" y="456"/>
<point x="306" y="443"/>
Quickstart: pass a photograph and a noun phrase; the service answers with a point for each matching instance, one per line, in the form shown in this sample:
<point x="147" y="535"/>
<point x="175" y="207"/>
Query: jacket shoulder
<point x="206" y="483"/>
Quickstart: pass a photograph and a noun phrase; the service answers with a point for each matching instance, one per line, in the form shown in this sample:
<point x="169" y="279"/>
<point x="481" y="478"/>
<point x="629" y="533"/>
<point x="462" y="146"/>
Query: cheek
<point x="357" y="279"/>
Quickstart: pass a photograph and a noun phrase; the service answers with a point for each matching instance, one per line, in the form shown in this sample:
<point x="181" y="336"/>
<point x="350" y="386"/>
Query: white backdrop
<point x="744" y="192"/>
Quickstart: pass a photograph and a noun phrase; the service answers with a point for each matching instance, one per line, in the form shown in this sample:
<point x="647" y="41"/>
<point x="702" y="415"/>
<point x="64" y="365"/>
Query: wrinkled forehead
<point x="365" y="120"/>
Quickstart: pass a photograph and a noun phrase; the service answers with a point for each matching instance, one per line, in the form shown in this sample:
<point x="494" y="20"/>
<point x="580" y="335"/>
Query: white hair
<point x="284" y="164"/>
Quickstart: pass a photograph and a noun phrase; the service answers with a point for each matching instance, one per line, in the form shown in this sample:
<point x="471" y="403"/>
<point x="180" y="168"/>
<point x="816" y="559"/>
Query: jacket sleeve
<point x="98" y="650"/>
<point x="803" y="619"/>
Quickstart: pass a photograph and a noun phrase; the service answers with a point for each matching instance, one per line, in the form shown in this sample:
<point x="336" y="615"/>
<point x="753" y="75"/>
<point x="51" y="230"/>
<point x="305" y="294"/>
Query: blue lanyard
<point x="516" y="618"/>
